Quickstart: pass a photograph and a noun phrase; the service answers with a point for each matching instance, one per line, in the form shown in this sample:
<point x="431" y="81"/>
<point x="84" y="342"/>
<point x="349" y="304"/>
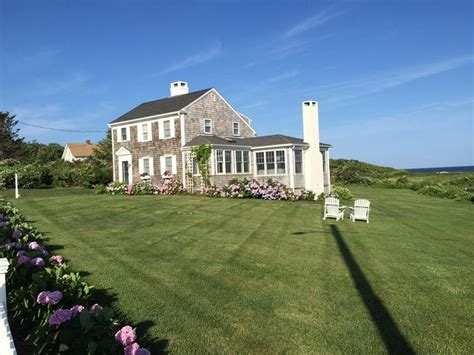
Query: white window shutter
<point x="152" y="169"/>
<point x="172" y="129"/>
<point x="160" y="129"/>
<point x="162" y="165"/>
<point x="140" y="165"/>
<point x="173" y="159"/>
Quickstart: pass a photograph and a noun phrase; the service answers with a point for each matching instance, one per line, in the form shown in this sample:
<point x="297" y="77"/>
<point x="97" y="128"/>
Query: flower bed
<point x="170" y="186"/>
<point x="51" y="302"/>
<point x="266" y="190"/>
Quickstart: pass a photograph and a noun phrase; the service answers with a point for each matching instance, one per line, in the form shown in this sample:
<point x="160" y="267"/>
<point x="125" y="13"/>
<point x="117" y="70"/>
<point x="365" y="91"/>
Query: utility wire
<point x="59" y="129"/>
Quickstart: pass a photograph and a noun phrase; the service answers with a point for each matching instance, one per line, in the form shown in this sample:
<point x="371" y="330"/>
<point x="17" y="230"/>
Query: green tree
<point x="10" y="140"/>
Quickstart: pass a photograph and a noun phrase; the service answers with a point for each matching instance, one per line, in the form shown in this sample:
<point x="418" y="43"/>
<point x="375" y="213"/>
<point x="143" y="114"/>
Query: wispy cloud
<point x="56" y="87"/>
<point x="27" y="61"/>
<point x="350" y="89"/>
<point x="316" y="20"/>
<point x="195" y="59"/>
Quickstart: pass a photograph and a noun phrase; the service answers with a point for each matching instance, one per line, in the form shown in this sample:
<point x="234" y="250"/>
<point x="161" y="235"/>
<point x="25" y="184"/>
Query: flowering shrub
<point x="116" y="188"/>
<point x="342" y="193"/>
<point x="266" y="190"/>
<point x="50" y="302"/>
<point x="171" y="186"/>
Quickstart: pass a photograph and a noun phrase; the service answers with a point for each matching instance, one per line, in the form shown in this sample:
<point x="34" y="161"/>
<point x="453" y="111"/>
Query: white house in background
<point x="156" y="138"/>
<point x="78" y="151"/>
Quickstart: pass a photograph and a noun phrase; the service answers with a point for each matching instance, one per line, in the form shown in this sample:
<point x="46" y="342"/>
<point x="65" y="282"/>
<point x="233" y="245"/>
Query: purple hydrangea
<point x="23" y="259"/>
<point x="134" y="349"/>
<point x="77" y="309"/>
<point x="126" y="335"/>
<point x="20" y="253"/>
<point x="59" y="317"/>
<point x="17" y="234"/>
<point x="37" y="262"/>
<point x="10" y="246"/>
<point x="57" y="260"/>
<point x="46" y="297"/>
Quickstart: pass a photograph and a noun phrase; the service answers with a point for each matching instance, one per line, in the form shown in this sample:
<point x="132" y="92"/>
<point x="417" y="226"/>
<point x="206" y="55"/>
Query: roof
<point x="81" y="149"/>
<point x="275" y="139"/>
<point x="161" y="106"/>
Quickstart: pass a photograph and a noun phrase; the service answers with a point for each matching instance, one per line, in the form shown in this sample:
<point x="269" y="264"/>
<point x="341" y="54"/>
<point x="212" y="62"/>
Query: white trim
<point x="113" y="158"/>
<point x="238" y="129"/>
<point x="274" y="162"/>
<point x="291" y="169"/>
<point x="140" y="132"/>
<point x="126" y="158"/>
<point x="134" y="121"/>
<point x="161" y="130"/>
<point x="163" y="164"/>
<point x="150" y="165"/>
<point x="183" y="130"/>
<point x="204" y="125"/>
<point x="277" y="146"/>
<point x="119" y="133"/>
<point x="243" y="162"/>
<point x="123" y="151"/>
<point x="225" y="101"/>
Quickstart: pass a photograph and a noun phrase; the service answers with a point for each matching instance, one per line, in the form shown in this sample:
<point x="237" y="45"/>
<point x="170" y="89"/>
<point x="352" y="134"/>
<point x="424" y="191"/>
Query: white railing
<point x="7" y="346"/>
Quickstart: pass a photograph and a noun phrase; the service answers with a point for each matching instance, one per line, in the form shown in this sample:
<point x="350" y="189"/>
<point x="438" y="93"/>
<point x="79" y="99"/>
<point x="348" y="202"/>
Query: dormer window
<point x="207" y="126"/>
<point x="236" y="128"/>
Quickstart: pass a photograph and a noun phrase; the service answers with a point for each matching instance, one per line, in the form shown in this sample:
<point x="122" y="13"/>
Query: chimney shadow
<point x="394" y="341"/>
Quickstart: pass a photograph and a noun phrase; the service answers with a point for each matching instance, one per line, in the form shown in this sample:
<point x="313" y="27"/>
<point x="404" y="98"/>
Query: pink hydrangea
<point x="24" y="259"/>
<point x="33" y="246"/>
<point x="57" y="260"/>
<point x="17" y="234"/>
<point x="60" y="316"/>
<point x="95" y="307"/>
<point x="37" y="262"/>
<point x="126" y="335"/>
<point x="42" y="298"/>
<point x="77" y="309"/>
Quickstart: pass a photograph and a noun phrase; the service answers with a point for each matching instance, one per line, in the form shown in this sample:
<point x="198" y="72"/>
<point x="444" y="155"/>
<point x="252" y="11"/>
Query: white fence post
<point x="17" y="194"/>
<point x="7" y="346"/>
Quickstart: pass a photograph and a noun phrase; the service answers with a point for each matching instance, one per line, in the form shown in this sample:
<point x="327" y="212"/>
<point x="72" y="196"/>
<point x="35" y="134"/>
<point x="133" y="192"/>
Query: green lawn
<point x="249" y="276"/>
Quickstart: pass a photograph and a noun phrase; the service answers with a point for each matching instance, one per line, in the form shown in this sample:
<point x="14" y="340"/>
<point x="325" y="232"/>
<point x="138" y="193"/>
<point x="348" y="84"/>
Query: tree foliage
<point x="10" y="140"/>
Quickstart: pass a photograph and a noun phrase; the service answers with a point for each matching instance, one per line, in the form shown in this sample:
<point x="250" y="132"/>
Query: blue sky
<point x="394" y="79"/>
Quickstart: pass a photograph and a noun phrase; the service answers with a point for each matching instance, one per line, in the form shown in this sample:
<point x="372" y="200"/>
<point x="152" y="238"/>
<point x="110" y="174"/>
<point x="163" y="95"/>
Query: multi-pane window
<point x="167" y="129"/>
<point x="280" y="155"/>
<point x="224" y="161"/>
<point x="146" y="166"/>
<point x="298" y="161"/>
<point x="260" y="160"/>
<point x="123" y="133"/>
<point x="270" y="156"/>
<point x="236" y="128"/>
<point x="207" y="125"/>
<point x="169" y="164"/>
<point x="228" y="161"/>
<point x="145" y="131"/>
<point x="220" y="161"/>
<point x="242" y="161"/>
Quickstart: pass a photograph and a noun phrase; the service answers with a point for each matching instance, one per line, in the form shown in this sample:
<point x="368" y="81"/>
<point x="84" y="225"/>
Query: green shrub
<point x="342" y="193"/>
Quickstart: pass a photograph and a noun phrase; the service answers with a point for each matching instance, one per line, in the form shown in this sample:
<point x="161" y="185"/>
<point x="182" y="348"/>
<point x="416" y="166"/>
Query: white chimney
<point x="313" y="159"/>
<point x="179" y="88"/>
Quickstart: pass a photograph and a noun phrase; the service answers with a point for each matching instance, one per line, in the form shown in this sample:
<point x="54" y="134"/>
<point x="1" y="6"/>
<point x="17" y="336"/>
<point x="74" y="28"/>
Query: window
<point x="145" y="131"/>
<point x="146" y="166"/>
<point x="123" y="134"/>
<point x="169" y="164"/>
<point x="236" y="128"/>
<point x="166" y="129"/>
<point x="298" y="162"/>
<point x="220" y="161"/>
<point x="228" y="161"/>
<point x="270" y="156"/>
<point x="224" y="161"/>
<point x="207" y="125"/>
<point x="241" y="161"/>
<point x="280" y="154"/>
<point x="260" y="158"/>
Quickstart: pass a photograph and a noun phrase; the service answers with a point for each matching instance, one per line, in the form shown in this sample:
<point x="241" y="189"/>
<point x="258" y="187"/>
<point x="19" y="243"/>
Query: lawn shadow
<point x="394" y="341"/>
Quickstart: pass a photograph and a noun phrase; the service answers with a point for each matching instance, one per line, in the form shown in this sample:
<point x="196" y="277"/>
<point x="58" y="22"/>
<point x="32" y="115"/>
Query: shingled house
<point x="78" y="151"/>
<point x="156" y="138"/>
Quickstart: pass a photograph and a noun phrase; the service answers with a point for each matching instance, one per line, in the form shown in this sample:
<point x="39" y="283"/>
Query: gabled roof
<point x="275" y="139"/>
<point x="81" y="149"/>
<point x="158" y="107"/>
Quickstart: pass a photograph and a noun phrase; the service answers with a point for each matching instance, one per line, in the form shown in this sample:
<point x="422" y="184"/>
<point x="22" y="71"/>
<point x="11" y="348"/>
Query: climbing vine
<point x="202" y="153"/>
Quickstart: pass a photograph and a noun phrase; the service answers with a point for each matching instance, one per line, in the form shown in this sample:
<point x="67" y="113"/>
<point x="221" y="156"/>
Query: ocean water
<point x="449" y="169"/>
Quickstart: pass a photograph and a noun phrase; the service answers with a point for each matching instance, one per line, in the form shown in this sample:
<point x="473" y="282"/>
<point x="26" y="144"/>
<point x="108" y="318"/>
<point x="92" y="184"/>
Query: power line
<point x="59" y="129"/>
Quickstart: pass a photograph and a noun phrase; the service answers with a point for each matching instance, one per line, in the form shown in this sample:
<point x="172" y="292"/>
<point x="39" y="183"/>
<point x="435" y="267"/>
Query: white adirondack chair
<point x="360" y="210"/>
<point x="332" y="209"/>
